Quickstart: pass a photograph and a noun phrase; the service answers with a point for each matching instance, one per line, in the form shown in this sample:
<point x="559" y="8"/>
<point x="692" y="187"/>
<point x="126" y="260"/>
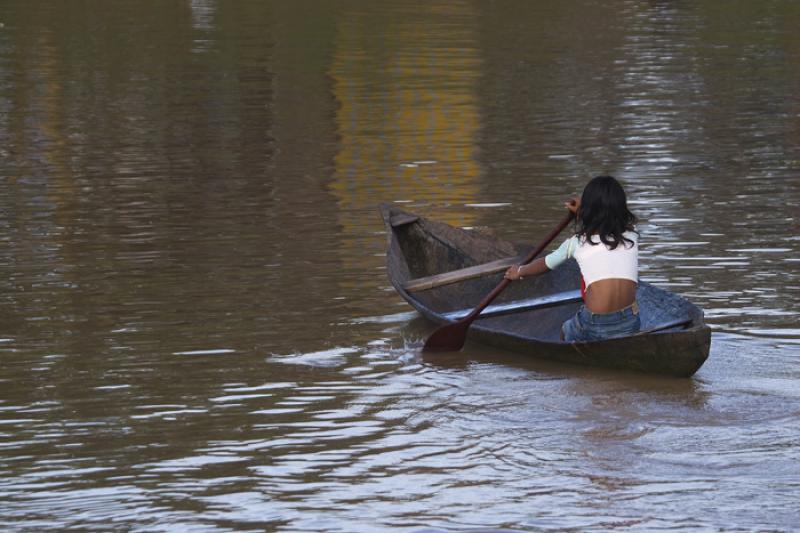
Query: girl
<point x="606" y="247"/>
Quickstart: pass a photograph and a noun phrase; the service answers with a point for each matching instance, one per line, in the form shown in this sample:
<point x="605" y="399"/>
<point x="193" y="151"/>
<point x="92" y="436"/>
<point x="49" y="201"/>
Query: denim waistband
<point x="614" y="316"/>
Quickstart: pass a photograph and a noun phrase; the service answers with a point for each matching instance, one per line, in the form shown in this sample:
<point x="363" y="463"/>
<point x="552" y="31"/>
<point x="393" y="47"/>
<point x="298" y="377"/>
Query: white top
<point x="598" y="261"/>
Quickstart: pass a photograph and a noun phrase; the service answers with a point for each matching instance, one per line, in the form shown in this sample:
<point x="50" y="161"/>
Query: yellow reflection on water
<point x="407" y="115"/>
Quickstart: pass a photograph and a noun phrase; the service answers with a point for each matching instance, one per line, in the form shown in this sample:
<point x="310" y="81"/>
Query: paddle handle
<point x="530" y="257"/>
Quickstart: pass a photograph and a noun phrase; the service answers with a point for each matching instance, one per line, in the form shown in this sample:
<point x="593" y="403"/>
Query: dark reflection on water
<point x="197" y="327"/>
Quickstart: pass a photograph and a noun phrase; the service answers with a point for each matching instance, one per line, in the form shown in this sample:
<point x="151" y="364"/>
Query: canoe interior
<point x="425" y="247"/>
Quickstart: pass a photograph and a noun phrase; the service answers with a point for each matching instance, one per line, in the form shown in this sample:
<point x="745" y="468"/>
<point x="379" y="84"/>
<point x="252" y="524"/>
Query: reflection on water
<point x="407" y="118"/>
<point x="408" y="133"/>
<point x="197" y="328"/>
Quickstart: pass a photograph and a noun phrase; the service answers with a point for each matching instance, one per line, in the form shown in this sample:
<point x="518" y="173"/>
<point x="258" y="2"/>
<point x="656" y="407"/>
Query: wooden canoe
<point x="443" y="272"/>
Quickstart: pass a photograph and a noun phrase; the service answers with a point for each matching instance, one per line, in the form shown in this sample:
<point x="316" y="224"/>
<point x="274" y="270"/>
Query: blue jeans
<point x="586" y="326"/>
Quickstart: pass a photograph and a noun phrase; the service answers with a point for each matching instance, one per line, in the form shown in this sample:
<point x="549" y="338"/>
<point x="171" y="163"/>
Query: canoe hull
<point x="678" y="352"/>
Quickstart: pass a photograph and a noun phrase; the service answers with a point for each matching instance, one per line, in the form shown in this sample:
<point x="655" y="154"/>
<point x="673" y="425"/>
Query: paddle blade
<point x="449" y="338"/>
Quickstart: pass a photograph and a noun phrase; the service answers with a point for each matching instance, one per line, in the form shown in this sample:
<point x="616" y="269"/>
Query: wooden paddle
<point x="451" y="337"/>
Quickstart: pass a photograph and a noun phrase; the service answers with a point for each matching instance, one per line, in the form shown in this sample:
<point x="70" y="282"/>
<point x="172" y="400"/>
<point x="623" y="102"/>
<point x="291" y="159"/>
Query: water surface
<point x="198" y="332"/>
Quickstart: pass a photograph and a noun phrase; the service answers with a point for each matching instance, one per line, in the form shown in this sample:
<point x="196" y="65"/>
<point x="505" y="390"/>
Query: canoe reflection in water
<point x="444" y="272"/>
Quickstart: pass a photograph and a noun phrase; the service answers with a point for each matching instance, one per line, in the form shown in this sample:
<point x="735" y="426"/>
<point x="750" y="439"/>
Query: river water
<point x="197" y="329"/>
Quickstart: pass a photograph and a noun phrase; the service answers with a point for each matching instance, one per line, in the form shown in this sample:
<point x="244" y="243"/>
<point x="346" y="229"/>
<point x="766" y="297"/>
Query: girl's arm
<point x="544" y="264"/>
<point x="534" y="268"/>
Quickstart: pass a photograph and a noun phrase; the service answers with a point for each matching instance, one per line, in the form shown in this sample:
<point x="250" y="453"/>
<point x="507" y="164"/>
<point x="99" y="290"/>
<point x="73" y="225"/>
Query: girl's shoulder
<point x="632" y="240"/>
<point x="581" y="241"/>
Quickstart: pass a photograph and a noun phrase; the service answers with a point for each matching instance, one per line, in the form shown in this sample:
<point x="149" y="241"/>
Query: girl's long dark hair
<point x="604" y="212"/>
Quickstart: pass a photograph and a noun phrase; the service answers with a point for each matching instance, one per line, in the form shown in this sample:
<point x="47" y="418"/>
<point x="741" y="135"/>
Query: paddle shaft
<point x="530" y="257"/>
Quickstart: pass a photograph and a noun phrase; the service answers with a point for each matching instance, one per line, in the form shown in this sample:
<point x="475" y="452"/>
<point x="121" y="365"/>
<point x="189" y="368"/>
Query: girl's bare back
<point x="609" y="295"/>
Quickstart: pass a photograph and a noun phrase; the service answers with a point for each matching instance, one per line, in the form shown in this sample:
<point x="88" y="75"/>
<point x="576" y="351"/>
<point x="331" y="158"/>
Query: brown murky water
<point x="197" y="331"/>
